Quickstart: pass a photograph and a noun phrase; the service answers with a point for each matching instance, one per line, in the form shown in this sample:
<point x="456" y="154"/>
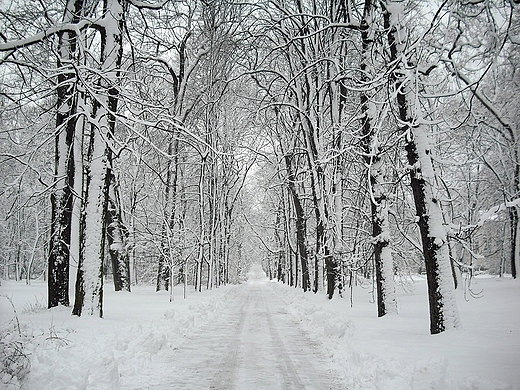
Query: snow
<point x="443" y="297"/>
<point x="264" y="334"/>
<point x="396" y="352"/>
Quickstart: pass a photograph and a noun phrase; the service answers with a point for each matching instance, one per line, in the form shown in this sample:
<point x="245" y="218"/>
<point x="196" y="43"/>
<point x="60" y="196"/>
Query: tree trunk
<point x="163" y="266"/>
<point x="61" y="220"/>
<point x="318" y="189"/>
<point x="280" y="250"/>
<point x="443" y="307"/>
<point x="301" y="225"/>
<point x="383" y="259"/>
<point x="514" y="231"/>
<point x="117" y="236"/>
<point x="514" y="218"/>
<point x="89" y="282"/>
<point x="202" y="221"/>
<point x="62" y="198"/>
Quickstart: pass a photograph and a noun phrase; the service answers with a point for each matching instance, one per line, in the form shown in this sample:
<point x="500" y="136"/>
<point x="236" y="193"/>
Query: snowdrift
<point x="50" y="349"/>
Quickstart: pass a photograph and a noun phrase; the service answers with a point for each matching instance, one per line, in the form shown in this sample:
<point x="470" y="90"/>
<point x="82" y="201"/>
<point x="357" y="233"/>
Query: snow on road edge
<point x="324" y="321"/>
<point x="90" y="353"/>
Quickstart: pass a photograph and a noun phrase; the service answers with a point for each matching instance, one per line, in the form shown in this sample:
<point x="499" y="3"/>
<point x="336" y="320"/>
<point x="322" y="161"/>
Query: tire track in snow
<point x="291" y="377"/>
<point x="252" y="344"/>
<point x="226" y="373"/>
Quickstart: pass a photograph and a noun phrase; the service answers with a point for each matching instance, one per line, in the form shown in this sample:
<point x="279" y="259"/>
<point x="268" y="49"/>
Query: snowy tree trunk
<point x="61" y="218"/>
<point x="288" y="249"/>
<point x="117" y="236"/>
<point x="443" y="308"/>
<point x="337" y="106"/>
<point x="441" y="294"/>
<point x="514" y="230"/>
<point x="62" y="199"/>
<point x="514" y="218"/>
<point x="321" y="212"/>
<point x="383" y="259"/>
<point x="34" y="248"/>
<point x="89" y="282"/>
<point x="280" y="250"/>
<point x="213" y="220"/>
<point x="227" y="242"/>
<point x="301" y="226"/>
<point x="202" y="221"/>
<point x="163" y="269"/>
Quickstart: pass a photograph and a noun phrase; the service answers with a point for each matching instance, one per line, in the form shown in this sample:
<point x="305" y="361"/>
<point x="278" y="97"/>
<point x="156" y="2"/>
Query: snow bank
<point x="67" y="352"/>
<point x="54" y="350"/>
<point x="397" y="352"/>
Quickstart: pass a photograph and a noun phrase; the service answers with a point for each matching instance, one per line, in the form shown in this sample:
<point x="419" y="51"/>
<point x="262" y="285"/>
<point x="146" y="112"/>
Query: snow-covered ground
<point x="228" y="337"/>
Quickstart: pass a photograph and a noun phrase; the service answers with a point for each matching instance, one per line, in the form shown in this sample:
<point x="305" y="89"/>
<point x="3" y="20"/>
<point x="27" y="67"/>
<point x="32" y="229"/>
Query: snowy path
<point x="253" y="344"/>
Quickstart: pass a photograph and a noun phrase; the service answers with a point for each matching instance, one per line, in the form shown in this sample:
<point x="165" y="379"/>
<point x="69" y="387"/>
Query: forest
<point x="337" y="142"/>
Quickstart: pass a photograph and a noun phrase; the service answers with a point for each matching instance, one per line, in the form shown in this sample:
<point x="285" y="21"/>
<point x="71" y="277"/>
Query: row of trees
<point x="374" y="108"/>
<point x="145" y="182"/>
<point x="353" y="138"/>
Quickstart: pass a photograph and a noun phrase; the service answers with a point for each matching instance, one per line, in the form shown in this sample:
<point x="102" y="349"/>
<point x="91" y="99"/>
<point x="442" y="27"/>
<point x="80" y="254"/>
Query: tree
<point x="117" y="236"/>
<point x="379" y="199"/>
<point x="443" y="309"/>
<point x="89" y="281"/>
<point x="62" y="197"/>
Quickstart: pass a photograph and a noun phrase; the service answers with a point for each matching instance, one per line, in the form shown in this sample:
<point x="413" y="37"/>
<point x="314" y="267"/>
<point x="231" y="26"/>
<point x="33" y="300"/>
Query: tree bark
<point x="89" y="282"/>
<point x="443" y="307"/>
<point x="383" y="260"/>
<point x="170" y="188"/>
<point x="62" y="198"/>
<point x="301" y="225"/>
<point x="117" y="236"/>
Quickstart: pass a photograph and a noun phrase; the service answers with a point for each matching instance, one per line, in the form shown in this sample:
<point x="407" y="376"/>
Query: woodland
<point x="337" y="142"/>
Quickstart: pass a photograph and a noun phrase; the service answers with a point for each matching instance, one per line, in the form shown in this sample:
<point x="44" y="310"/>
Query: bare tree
<point x="443" y="309"/>
<point x="62" y="197"/>
<point x="371" y="128"/>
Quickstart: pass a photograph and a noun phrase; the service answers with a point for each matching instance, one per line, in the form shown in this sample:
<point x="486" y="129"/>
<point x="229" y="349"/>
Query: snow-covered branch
<point x="147" y="5"/>
<point x="489" y="215"/>
<point x="485" y="102"/>
<point x="21" y="43"/>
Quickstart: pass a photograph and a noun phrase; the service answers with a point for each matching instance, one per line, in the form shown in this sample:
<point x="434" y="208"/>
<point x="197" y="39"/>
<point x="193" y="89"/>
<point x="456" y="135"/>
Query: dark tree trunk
<point x="61" y="219"/>
<point x="429" y="244"/>
<point x="301" y="225"/>
<point x="514" y="218"/>
<point x="332" y="272"/>
<point x="117" y="235"/>
<point x="513" y="228"/>
<point x="163" y="274"/>
<point x="62" y="198"/>
<point x="279" y="225"/>
<point x="318" y="188"/>
<point x="443" y="310"/>
<point x="386" y="301"/>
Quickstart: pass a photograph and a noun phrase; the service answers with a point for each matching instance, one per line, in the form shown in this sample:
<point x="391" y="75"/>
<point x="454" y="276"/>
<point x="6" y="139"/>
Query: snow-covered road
<point x="252" y="344"/>
<point x="250" y="336"/>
